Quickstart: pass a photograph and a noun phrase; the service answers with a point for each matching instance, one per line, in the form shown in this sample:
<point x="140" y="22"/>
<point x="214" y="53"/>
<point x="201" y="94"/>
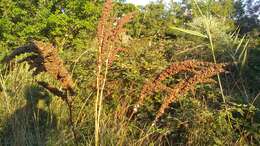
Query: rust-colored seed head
<point x="108" y="33"/>
<point x="53" y="64"/>
<point x="46" y="59"/>
<point x="120" y="24"/>
<point x="203" y="71"/>
<point x="103" y="20"/>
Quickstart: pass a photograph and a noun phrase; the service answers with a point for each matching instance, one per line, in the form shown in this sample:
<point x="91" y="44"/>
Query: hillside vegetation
<point x="87" y="72"/>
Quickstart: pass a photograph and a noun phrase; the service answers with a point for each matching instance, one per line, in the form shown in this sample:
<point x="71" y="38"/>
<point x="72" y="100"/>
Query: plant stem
<point x="97" y="97"/>
<point x="215" y="60"/>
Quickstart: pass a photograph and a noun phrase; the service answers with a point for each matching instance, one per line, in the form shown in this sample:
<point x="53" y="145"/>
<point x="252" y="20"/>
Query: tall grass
<point x="108" y="41"/>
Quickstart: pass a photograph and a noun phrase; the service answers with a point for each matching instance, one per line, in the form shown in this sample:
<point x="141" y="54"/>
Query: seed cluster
<point x="108" y="33"/>
<point x="202" y="73"/>
<point x="45" y="58"/>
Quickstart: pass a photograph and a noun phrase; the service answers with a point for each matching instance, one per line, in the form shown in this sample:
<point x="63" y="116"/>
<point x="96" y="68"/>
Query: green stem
<point x="215" y="60"/>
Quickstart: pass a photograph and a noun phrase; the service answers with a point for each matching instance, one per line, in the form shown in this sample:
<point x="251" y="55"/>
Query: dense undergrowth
<point x="175" y="77"/>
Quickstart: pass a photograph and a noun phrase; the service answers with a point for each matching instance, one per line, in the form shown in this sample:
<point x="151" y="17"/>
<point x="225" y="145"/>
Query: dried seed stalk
<point x="108" y="42"/>
<point x="186" y="85"/>
<point x="203" y="71"/>
<point x="44" y="59"/>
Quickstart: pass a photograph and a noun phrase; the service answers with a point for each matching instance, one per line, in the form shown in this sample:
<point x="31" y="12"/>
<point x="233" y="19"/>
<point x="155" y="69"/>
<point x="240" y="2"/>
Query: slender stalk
<point x="212" y="49"/>
<point x="103" y="87"/>
<point x="98" y="96"/>
<point x="215" y="60"/>
<point x="71" y="120"/>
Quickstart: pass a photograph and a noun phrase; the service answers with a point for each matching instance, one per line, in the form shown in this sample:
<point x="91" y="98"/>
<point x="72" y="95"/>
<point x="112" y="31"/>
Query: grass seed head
<point x="202" y="73"/>
<point x="45" y="59"/>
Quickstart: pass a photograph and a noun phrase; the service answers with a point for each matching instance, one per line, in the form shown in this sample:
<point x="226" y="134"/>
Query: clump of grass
<point x="14" y="85"/>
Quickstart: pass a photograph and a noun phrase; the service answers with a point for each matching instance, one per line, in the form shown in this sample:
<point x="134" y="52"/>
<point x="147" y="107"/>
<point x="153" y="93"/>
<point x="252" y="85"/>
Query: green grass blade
<point x="191" y="32"/>
<point x="239" y="45"/>
<point x="243" y="56"/>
